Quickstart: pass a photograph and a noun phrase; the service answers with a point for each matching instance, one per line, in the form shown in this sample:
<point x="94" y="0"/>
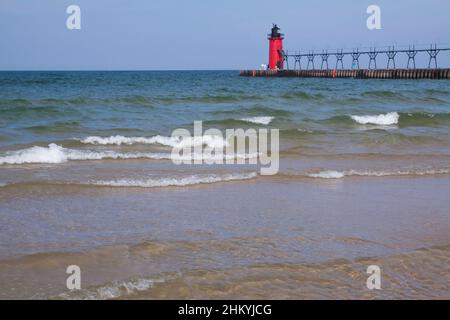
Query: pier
<point x="353" y="73"/>
<point x="279" y="61"/>
<point x="371" y="72"/>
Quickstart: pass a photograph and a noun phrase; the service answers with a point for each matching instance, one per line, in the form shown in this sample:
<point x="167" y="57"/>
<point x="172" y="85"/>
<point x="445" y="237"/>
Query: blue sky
<point x="202" y="34"/>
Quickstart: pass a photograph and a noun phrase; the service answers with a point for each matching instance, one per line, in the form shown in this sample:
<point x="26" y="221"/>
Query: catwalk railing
<point x="391" y="54"/>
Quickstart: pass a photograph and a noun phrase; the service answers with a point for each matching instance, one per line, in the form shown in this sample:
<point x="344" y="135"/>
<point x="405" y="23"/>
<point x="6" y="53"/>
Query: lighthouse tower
<point x="275" y="48"/>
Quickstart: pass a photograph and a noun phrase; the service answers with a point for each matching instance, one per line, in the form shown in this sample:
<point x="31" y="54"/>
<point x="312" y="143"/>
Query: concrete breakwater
<point x="353" y="73"/>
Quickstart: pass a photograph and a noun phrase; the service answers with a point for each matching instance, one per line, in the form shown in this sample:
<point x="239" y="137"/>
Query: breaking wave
<point x="258" y="120"/>
<point x="175" y="182"/>
<point x="387" y="119"/>
<point x="402" y="119"/>
<point x="332" y="174"/>
<point x="175" y="142"/>
<point x="327" y="175"/>
<point x="54" y="154"/>
<point x="114" y="290"/>
<point x="58" y="154"/>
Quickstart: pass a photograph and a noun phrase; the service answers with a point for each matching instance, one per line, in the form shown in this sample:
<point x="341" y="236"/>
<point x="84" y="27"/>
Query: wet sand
<point x="269" y="237"/>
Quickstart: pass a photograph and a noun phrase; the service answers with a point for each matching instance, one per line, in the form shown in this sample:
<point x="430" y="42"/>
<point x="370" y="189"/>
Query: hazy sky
<point x="202" y="34"/>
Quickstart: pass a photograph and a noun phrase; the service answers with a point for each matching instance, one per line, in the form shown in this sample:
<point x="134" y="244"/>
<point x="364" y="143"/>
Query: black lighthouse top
<point x="275" y="32"/>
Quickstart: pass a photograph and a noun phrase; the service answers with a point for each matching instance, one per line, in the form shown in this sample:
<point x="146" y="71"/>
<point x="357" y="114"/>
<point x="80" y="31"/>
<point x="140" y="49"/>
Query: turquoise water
<point x="49" y="107"/>
<point x="69" y="119"/>
<point x="86" y="178"/>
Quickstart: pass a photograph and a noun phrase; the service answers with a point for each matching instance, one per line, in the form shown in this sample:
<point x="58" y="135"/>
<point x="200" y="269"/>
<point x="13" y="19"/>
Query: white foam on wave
<point x="175" y="142"/>
<point x="387" y="119"/>
<point x="258" y="120"/>
<point x="175" y="182"/>
<point x="114" y="290"/>
<point x="54" y="154"/>
<point x="327" y="175"/>
<point x="330" y="174"/>
<point x="57" y="154"/>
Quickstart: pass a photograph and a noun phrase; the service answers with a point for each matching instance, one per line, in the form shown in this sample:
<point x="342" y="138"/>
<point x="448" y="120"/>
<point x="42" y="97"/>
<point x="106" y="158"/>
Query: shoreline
<point x="310" y="230"/>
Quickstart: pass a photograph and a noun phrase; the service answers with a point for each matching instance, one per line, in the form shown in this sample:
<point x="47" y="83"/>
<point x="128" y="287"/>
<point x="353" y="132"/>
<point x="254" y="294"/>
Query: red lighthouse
<point x="275" y="49"/>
